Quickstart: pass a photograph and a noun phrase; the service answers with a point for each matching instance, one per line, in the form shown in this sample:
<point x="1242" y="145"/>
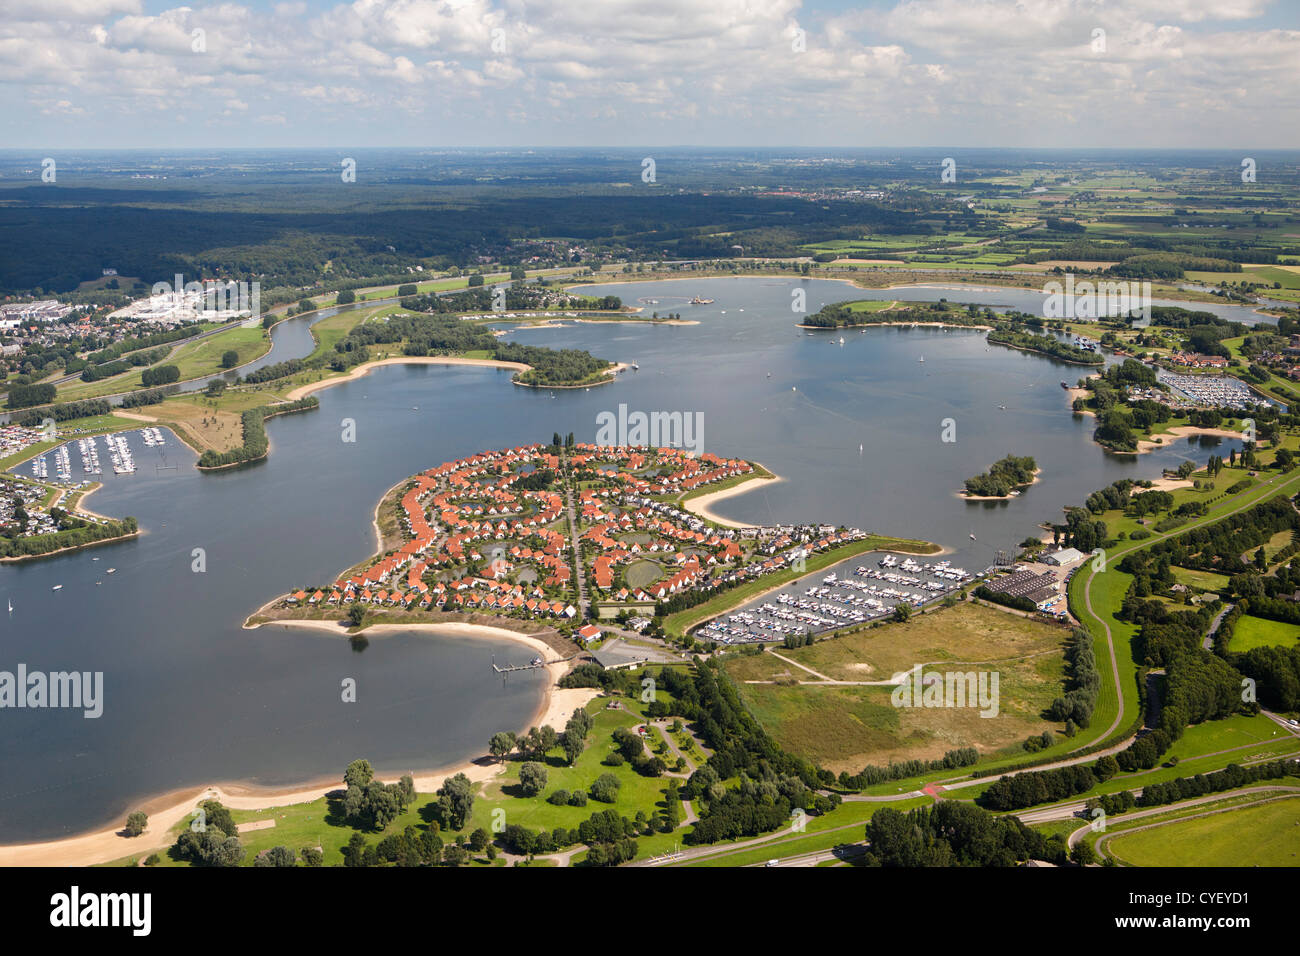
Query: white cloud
<point x="913" y="71"/>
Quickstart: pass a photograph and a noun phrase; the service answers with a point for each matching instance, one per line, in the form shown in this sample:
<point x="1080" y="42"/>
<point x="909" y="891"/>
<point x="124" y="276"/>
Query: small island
<point x="1004" y="479"/>
<point x="860" y="313"/>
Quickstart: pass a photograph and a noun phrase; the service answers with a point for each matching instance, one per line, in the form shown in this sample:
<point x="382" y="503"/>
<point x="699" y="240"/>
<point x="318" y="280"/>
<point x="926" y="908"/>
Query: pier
<point x="532" y="665"/>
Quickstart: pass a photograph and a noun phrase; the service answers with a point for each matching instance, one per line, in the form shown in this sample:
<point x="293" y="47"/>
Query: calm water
<point x="192" y="699"/>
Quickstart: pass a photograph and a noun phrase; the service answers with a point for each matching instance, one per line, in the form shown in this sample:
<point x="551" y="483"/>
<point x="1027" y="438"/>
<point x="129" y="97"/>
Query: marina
<point x="845" y="599"/>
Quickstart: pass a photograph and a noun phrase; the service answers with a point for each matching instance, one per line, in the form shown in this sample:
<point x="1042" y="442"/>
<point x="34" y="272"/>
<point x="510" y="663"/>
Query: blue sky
<point x="1023" y="73"/>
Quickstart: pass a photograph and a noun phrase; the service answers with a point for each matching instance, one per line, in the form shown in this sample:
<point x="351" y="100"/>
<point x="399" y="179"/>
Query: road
<point x="579" y="574"/>
<point x="1208" y="643"/>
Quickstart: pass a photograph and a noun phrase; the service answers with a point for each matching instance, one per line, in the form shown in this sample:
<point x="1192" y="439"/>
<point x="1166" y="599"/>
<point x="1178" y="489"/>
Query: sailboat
<point x="972" y="535"/>
<point x="841" y="340"/>
<point x="11" y="605"/>
<point x="921" y="359"/>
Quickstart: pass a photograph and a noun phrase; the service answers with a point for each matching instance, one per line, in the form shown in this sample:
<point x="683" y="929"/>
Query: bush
<point x="162" y="375"/>
<point x="605" y="788"/>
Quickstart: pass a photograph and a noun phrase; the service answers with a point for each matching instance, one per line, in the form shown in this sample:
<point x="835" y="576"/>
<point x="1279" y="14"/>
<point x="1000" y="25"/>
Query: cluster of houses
<point x="490" y="533"/>
<point x="1197" y="360"/>
<point x="31" y="497"/>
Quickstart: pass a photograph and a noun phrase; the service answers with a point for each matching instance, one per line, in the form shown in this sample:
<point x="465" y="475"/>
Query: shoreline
<point x="702" y="504"/>
<point x="302" y="391"/>
<point x="104" y="844"/>
<point x="964" y="496"/>
<point x="1174" y="434"/>
<point x="903" y="325"/>
<point x="1054" y="358"/>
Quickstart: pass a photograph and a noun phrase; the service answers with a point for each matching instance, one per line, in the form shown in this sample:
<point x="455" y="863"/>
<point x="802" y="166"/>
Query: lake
<point x="191" y="698"/>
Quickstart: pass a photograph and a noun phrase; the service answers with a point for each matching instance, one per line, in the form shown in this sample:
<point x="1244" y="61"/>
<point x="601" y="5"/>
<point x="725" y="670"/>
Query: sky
<point x="80" y="74"/>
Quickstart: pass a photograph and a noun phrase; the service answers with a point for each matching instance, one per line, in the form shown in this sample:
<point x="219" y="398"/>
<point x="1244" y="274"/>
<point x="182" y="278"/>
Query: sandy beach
<point x="1175" y="434"/>
<point x="1167" y="484"/>
<point x="702" y="504"/>
<point x="964" y="496"/>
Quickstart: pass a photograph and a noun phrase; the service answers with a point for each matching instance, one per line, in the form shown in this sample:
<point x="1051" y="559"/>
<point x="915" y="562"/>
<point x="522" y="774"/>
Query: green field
<point x="844" y="727"/>
<point x="1257" y="632"/>
<point x="1266" y="834"/>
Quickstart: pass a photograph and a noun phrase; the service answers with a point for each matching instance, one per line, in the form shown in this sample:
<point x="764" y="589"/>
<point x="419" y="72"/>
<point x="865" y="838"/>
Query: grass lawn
<point x="1257" y="632"/>
<point x="204" y="357"/>
<point x="641" y="574"/>
<point x="1201" y="580"/>
<point x="1266" y="834"/>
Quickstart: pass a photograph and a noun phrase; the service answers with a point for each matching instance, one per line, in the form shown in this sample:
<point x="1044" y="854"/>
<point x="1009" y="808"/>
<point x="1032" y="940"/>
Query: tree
<point x="356" y="614"/>
<point x="359" y="773"/>
<point x="1083" y="854"/>
<point x="346" y="297"/>
<point x="502" y="744"/>
<point x="902" y="611"/>
<point x="229" y="358"/>
<point x="479" y="840"/>
<point x="573" y="746"/>
<point x="276" y="856"/>
<point x="455" y="800"/>
<point x="532" y="778"/>
<point x="605" y="788"/>
<point x="454" y="855"/>
<point x="136" y="821"/>
<point x="354" y="852"/>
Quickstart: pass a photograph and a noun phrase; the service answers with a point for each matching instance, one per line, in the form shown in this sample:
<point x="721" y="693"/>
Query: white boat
<point x="972" y="537"/>
<point x="57" y="587"/>
<point x="921" y="359"/>
<point x="111" y="570"/>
